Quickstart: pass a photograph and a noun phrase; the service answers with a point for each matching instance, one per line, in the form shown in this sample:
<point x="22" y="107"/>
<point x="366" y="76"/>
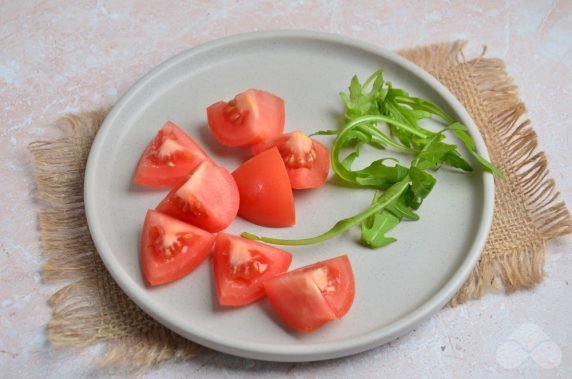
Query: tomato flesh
<point x="307" y="160"/>
<point x="252" y="116"/>
<point x="168" y="159"/>
<point x="171" y="249"/>
<point x="209" y="199"/>
<point x="307" y="298"/>
<point x="240" y="266"/>
<point x="265" y="194"/>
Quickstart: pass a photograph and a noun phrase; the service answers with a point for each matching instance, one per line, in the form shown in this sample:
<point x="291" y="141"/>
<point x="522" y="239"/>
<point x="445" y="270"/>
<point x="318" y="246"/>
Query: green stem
<point x="341" y="226"/>
<point x="387" y="120"/>
<point x="386" y="140"/>
<point x="418" y="103"/>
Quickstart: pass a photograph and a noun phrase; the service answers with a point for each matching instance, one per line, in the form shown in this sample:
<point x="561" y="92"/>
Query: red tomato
<point x="265" y="193"/>
<point x="208" y="199"/>
<point x="307" y="298"/>
<point x="170" y="249"/>
<point x="241" y="265"/>
<point x="250" y="117"/>
<point x="307" y="161"/>
<point x="168" y="159"/>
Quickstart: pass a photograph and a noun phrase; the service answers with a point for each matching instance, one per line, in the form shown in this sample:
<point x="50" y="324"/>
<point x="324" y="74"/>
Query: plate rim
<point x="306" y="352"/>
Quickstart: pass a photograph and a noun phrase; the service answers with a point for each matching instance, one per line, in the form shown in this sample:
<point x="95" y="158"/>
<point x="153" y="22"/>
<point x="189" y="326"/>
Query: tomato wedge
<point x="171" y="249"/>
<point x="265" y="194"/>
<point x="307" y="160"/>
<point x="208" y="199"/>
<point x="240" y="266"/>
<point x="168" y="159"/>
<point x="252" y="116"/>
<point x="307" y="298"/>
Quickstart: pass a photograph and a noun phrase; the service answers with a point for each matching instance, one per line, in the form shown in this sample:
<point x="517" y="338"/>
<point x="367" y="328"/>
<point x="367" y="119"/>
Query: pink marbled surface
<point x="63" y="56"/>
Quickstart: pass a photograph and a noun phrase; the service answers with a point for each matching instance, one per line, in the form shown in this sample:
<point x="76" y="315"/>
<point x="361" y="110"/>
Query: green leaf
<point x="325" y="133"/>
<point x="462" y="134"/>
<point x="454" y="159"/>
<point x="400" y="209"/>
<point x="433" y="154"/>
<point x="414" y="134"/>
<point x="421" y="185"/>
<point x="348" y="161"/>
<point x="488" y="165"/>
<point x="421" y="182"/>
<point x="420" y="114"/>
<point x="357" y="132"/>
<point x="470" y="145"/>
<point x="385" y="117"/>
<point x="374" y="229"/>
<point x="380" y="175"/>
<point x="424" y="105"/>
<point x="355" y="89"/>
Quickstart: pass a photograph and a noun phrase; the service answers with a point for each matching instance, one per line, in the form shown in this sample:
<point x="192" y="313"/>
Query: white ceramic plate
<point x="396" y="287"/>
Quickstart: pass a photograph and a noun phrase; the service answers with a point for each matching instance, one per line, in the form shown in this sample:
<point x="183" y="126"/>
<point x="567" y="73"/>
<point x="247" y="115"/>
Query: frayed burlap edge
<point x="528" y="212"/>
<point x="93" y="309"/>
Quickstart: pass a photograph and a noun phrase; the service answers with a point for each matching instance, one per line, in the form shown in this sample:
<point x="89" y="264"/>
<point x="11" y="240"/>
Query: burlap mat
<point x="93" y="309"/>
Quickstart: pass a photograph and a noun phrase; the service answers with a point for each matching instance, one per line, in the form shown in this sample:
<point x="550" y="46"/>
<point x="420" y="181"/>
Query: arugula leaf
<point x="424" y="105"/>
<point x="359" y="102"/>
<point x="374" y="228"/>
<point x="488" y="165"/>
<point x="432" y="154"/>
<point x="400" y="209"/>
<point x="380" y="175"/>
<point x="461" y="133"/>
<point x="324" y="133"/>
<point x="411" y="117"/>
<point x="421" y="185"/>
<point x="454" y="159"/>
<point x="371" y="106"/>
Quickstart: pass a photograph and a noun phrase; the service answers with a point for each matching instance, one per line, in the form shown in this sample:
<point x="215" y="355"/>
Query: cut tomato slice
<point x="168" y="159"/>
<point x="252" y="116"/>
<point x="265" y="194"/>
<point x="309" y="297"/>
<point x="307" y="160"/>
<point x="209" y="199"/>
<point x="240" y="266"/>
<point x="171" y="249"/>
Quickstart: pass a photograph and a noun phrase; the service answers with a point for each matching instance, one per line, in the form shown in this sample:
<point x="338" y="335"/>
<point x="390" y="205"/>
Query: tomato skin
<point x="307" y="298"/>
<point x="265" y="194"/>
<point x="339" y="271"/>
<point x="307" y="160"/>
<point x="209" y="199"/>
<point x="190" y="246"/>
<point x="298" y="303"/>
<point x="240" y="267"/>
<point x="168" y="159"/>
<point x="252" y="116"/>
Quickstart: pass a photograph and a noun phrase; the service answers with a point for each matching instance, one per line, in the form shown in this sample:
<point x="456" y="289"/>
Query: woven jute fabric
<point x="91" y="308"/>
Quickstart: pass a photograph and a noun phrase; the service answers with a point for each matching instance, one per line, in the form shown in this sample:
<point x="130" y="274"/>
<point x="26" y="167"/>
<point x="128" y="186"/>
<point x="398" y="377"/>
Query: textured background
<point x="66" y="56"/>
